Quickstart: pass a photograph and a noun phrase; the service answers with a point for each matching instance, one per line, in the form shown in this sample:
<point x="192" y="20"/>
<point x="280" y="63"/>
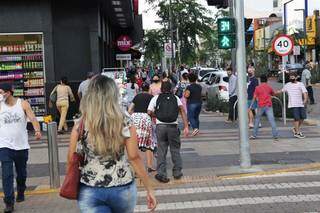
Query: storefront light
<point x="118" y="9"/>
<point x="116" y="3"/>
<point x="120" y="15"/>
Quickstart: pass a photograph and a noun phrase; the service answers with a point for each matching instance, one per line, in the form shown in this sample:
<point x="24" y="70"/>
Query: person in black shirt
<point x="142" y="121"/>
<point x="194" y="103"/>
<point x="253" y="83"/>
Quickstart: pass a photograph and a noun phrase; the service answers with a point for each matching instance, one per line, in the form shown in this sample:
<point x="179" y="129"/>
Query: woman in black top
<point x="194" y="102"/>
<point x="143" y="123"/>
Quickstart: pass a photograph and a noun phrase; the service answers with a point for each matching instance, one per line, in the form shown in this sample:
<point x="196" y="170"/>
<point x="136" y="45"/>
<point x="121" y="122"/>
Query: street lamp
<point x="304" y="32"/>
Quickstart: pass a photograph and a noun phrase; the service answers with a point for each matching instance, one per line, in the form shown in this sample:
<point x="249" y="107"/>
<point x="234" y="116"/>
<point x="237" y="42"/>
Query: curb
<point x="199" y="179"/>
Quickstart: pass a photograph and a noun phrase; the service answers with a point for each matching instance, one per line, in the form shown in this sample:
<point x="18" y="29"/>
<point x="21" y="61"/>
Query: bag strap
<point x="81" y="130"/>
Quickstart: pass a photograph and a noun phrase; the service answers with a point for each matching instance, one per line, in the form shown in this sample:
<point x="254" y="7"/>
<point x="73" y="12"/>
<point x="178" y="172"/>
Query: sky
<point x="149" y="14"/>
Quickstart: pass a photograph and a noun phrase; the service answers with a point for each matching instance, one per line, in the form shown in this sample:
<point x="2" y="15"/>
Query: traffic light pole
<point x="233" y="50"/>
<point x="245" y="159"/>
<point x="171" y="35"/>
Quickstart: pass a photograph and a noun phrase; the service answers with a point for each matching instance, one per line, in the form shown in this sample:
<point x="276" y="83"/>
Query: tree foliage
<point x="153" y="41"/>
<point x="193" y="21"/>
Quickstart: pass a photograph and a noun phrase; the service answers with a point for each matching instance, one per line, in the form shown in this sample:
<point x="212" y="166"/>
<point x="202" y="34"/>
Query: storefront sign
<point x="124" y="43"/>
<point x="123" y="57"/>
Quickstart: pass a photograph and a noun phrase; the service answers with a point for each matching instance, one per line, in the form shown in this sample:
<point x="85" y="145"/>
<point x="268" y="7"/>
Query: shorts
<point x="254" y="105"/>
<point x="299" y="113"/>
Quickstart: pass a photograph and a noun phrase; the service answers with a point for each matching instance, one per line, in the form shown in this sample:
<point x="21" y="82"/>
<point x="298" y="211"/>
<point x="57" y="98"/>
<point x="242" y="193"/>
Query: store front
<point x="44" y="40"/>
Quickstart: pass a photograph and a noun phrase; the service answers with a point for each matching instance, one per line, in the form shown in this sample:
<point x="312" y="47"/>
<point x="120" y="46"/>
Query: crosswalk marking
<point x="232" y="202"/>
<point x="214" y="189"/>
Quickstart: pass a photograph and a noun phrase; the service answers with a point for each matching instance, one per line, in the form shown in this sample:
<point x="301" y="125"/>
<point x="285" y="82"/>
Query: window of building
<point x="275" y="3"/>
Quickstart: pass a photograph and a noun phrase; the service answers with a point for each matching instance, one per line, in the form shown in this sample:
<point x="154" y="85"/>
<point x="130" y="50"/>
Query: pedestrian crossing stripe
<point x="232" y="202"/>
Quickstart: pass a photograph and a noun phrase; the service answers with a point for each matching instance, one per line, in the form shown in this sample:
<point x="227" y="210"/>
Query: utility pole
<point x="245" y="159"/>
<point x="233" y="51"/>
<point x="171" y="35"/>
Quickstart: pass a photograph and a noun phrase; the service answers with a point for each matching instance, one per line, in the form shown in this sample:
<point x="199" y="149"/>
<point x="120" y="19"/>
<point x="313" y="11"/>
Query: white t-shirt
<point x="306" y="76"/>
<point x="152" y="107"/>
<point x="83" y="87"/>
<point x="295" y="92"/>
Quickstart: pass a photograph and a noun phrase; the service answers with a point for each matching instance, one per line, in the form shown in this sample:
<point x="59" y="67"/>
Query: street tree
<point x="193" y="22"/>
<point x="153" y="42"/>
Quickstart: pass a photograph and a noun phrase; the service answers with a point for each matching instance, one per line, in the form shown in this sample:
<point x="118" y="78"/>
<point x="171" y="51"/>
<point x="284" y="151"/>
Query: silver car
<point x="215" y="81"/>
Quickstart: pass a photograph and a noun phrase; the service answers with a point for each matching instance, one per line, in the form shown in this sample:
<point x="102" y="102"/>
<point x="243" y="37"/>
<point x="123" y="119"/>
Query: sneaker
<point x="251" y="126"/>
<point x="161" y="179"/>
<point x="150" y="170"/>
<point x="301" y="135"/>
<point x="275" y="139"/>
<point x="60" y="132"/>
<point x="195" y="132"/>
<point x="228" y="121"/>
<point x="178" y="177"/>
<point x="20" y="197"/>
<point x="9" y="208"/>
<point x="252" y="137"/>
<point x="297" y="135"/>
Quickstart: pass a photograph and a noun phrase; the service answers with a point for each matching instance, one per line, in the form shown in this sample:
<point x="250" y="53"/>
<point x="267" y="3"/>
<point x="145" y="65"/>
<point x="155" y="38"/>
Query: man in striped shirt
<point x="298" y="97"/>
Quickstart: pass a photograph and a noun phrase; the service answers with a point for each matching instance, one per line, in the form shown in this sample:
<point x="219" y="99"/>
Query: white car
<point x="201" y="72"/>
<point x="215" y="81"/>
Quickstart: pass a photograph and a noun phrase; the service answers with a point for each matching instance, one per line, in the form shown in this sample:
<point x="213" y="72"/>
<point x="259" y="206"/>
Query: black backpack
<point x="167" y="109"/>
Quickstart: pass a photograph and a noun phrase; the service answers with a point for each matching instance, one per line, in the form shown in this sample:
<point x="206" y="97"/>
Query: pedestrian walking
<point x="64" y="92"/>
<point x="194" y="103"/>
<point x="298" y="97"/>
<point x="181" y="87"/>
<point x="306" y="80"/>
<point x="142" y="121"/>
<point x="132" y="89"/>
<point x="14" y="146"/>
<point x="155" y="87"/>
<point x="83" y="87"/>
<point x="263" y="93"/>
<point x="166" y="107"/>
<point x="107" y="181"/>
<point x="252" y="106"/>
<point x="232" y="96"/>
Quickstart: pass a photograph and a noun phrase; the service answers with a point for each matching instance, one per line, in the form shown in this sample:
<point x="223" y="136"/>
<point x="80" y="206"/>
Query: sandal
<point x="195" y="132"/>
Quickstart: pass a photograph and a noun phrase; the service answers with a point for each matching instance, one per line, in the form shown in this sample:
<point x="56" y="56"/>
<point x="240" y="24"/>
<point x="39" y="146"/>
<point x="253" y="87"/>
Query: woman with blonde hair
<point x="110" y="143"/>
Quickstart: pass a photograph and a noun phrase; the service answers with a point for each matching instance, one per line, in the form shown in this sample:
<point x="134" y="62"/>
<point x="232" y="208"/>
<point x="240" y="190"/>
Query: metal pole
<point x="53" y="155"/>
<point x="284" y="112"/>
<point x="171" y="35"/>
<point x="233" y="51"/>
<point x="245" y="159"/>
<point x="305" y="35"/>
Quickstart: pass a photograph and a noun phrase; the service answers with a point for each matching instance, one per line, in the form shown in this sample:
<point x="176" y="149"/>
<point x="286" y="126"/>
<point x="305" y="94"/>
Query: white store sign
<point x="123" y="57"/>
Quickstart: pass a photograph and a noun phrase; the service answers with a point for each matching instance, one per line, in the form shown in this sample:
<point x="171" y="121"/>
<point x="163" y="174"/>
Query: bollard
<point x="53" y="155"/>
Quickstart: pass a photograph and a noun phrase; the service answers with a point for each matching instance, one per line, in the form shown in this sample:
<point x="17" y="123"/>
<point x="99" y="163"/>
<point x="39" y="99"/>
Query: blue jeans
<point x="120" y="199"/>
<point x="193" y="114"/>
<point x="19" y="158"/>
<point x="269" y="112"/>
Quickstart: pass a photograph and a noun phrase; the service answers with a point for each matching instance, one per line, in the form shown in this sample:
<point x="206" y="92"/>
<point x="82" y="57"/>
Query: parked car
<point x="200" y="71"/>
<point x="290" y="68"/>
<point x="218" y="80"/>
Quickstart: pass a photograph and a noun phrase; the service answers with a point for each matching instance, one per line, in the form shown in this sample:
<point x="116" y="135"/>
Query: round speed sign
<point x="283" y="45"/>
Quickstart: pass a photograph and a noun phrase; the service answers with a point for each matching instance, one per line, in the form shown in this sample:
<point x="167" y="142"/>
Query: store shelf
<point x="41" y="86"/>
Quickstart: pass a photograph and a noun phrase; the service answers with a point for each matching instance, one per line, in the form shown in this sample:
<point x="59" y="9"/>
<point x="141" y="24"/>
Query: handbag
<point x="70" y="186"/>
<point x="54" y="96"/>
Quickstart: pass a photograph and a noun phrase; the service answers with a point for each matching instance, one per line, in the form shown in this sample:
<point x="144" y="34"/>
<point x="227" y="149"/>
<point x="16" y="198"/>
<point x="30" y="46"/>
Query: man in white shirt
<point x="83" y="87"/>
<point x="14" y="146"/>
<point x="298" y="97"/>
<point x="166" y="107"/>
<point x="306" y="80"/>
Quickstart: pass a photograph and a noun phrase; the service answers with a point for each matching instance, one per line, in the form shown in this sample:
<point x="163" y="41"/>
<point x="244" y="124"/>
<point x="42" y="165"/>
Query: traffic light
<point x="226" y="33"/>
<point x="218" y="3"/>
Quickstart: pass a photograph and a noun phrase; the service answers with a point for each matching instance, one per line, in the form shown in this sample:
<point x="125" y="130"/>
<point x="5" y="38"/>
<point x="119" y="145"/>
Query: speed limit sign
<point x="283" y="45"/>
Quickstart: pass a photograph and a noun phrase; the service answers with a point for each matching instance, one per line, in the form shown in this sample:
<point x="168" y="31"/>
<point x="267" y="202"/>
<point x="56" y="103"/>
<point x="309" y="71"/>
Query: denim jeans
<point x="269" y="112"/>
<point x="193" y="114"/>
<point x="19" y="158"/>
<point x="168" y="136"/>
<point x="120" y="199"/>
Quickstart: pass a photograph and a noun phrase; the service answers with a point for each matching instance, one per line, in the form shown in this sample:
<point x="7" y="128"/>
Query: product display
<point x="21" y="62"/>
